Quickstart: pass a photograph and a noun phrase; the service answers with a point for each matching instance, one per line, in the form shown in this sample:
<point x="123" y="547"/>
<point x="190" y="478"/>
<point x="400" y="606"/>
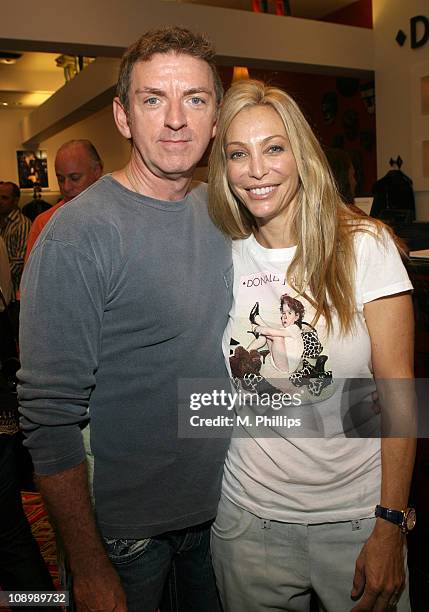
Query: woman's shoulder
<point x="371" y="234"/>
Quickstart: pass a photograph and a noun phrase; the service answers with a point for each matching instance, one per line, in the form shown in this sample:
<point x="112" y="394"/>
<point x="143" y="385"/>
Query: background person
<point x="21" y="564"/>
<point x="5" y="278"/>
<point x="297" y="513"/>
<point x="22" y="567"/>
<point x="77" y="166"/>
<point x="14" y="229"/>
<point x="8" y="347"/>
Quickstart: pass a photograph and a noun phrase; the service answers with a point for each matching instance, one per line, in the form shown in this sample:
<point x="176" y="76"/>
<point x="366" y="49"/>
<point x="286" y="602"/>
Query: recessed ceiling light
<point x="9" y="58"/>
<point x="5" y="103"/>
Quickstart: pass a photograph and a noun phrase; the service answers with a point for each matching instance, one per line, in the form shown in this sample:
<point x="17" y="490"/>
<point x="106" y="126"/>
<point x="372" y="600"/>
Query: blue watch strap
<point x="393" y="516"/>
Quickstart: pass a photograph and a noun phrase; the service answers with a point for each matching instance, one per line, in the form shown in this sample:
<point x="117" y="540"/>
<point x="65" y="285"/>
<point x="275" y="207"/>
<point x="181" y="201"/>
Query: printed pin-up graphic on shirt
<point x="273" y="346"/>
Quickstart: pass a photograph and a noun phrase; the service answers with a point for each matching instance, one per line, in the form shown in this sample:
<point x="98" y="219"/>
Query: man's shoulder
<point x="88" y="205"/>
<point x="105" y="186"/>
<point x="89" y="217"/>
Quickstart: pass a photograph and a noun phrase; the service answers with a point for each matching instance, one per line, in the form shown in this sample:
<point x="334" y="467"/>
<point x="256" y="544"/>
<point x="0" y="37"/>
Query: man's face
<point x="75" y="170"/>
<point x="7" y="201"/>
<point x="172" y="114"/>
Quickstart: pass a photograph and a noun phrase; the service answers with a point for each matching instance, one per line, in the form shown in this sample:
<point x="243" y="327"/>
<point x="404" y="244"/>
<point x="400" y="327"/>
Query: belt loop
<point x="265" y="524"/>
<point x="356" y="525"/>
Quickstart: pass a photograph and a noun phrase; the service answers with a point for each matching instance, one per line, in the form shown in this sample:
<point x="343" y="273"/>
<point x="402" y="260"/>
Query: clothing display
<point x="394" y="191"/>
<point x="317" y="473"/>
<point x="139" y="290"/>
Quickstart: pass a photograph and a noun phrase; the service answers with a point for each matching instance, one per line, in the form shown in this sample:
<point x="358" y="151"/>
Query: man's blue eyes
<point x="196" y="101"/>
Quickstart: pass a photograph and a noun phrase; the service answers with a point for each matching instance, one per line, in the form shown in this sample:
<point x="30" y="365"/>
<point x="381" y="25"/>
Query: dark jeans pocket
<point x="122" y="551"/>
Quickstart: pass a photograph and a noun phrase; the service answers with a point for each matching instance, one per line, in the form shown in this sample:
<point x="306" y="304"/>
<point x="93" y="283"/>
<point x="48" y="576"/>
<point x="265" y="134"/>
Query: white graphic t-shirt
<point x="329" y="468"/>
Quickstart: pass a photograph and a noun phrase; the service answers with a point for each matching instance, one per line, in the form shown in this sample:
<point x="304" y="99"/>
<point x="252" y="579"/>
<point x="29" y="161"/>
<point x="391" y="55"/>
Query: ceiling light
<point x="9" y="58"/>
<point x="240" y="73"/>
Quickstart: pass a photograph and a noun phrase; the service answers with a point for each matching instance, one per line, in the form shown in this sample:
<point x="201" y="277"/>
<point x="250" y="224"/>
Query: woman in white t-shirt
<point x="299" y="497"/>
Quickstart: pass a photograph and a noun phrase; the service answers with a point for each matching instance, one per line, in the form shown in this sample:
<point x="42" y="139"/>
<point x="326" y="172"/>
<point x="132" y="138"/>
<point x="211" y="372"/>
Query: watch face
<point x="410" y="519"/>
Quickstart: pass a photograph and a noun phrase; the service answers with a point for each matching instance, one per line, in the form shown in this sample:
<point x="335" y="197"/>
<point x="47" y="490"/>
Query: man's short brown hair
<point x="165" y="40"/>
<point x="15" y="190"/>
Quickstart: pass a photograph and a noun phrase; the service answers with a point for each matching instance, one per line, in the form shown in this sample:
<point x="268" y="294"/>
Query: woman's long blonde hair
<point x="322" y="269"/>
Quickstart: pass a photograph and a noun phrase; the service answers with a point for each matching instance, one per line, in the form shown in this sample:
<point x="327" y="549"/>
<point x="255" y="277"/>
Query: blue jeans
<point x="172" y="571"/>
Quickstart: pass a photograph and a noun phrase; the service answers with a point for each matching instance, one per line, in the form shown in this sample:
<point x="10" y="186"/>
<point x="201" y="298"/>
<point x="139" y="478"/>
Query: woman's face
<point x="261" y="167"/>
<point x="289" y="316"/>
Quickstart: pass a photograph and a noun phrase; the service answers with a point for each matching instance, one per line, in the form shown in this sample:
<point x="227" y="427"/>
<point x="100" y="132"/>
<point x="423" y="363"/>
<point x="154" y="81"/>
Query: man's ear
<point x="98" y="171"/>
<point x="121" y="118"/>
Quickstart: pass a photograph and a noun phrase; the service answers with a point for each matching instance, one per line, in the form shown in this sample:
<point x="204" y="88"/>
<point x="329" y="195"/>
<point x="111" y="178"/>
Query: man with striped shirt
<point x="14" y="229"/>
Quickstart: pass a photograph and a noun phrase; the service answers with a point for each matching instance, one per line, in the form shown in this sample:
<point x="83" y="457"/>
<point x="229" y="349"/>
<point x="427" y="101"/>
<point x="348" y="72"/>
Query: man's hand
<point x="99" y="589"/>
<point x="96" y="584"/>
<point x="380" y="575"/>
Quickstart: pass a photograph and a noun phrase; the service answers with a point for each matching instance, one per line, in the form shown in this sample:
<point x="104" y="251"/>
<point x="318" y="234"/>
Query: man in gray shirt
<point x="138" y="282"/>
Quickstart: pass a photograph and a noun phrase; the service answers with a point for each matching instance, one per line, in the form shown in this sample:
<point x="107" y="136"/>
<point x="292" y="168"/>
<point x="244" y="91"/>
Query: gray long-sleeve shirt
<point x="122" y="298"/>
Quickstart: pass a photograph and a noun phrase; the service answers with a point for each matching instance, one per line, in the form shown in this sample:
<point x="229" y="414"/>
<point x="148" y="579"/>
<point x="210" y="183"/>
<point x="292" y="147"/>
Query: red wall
<point x="355" y="14"/>
<point x="308" y="90"/>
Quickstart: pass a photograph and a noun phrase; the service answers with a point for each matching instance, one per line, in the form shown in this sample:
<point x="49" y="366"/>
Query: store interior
<point x="359" y="70"/>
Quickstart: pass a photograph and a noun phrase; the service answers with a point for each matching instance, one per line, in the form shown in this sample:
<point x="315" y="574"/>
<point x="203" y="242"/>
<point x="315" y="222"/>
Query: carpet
<point x="42" y="531"/>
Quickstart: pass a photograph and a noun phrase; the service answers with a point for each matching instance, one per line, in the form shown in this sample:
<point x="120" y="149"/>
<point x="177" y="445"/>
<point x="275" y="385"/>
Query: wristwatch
<point x="405" y="519"/>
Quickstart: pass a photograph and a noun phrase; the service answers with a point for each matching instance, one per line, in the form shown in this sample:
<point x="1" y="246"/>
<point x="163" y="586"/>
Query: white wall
<point x="100" y="129"/>
<point x="399" y="125"/>
<point x="10" y="142"/>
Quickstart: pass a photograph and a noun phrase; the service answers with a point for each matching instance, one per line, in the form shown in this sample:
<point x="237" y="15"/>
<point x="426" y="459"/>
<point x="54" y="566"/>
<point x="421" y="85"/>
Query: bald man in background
<point x="77" y="166"/>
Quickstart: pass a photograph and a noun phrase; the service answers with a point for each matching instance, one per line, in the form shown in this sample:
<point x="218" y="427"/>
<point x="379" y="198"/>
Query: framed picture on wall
<point x="32" y="169"/>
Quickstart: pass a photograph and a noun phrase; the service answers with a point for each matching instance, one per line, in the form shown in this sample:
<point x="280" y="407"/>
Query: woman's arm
<point x="379" y="572"/>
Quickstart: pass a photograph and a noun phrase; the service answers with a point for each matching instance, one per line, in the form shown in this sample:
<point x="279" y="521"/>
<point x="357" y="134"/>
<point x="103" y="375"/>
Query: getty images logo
<point x="419" y="32"/>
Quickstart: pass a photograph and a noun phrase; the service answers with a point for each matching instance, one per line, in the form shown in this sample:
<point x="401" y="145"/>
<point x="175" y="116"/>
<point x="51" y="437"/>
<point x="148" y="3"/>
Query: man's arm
<point x="96" y="585"/>
<point x="379" y="575"/>
<point x="62" y="304"/>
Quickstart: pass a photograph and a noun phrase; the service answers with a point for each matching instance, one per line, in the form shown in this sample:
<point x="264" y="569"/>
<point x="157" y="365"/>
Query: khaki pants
<point x="263" y="565"/>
